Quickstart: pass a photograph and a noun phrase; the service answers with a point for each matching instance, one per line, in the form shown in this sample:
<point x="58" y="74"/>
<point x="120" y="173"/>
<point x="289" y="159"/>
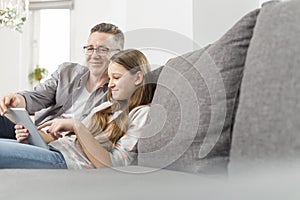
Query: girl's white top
<point x="123" y="153"/>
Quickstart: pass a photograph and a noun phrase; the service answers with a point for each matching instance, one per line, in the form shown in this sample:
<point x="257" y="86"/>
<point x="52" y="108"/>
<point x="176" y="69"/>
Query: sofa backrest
<point x="193" y="106"/>
<point x="266" y="131"/>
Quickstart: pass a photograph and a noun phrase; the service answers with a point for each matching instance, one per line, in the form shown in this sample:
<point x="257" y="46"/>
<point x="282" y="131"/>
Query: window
<point x="49" y="33"/>
<point x="54" y="38"/>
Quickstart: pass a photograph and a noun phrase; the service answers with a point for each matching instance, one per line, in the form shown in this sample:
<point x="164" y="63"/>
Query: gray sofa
<point x="224" y="124"/>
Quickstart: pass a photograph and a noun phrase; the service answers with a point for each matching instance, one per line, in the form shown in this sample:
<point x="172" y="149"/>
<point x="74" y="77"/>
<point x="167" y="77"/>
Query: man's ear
<point x="139" y="77"/>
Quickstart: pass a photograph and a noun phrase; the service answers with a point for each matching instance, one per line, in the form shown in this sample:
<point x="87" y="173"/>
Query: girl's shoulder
<point x="141" y="110"/>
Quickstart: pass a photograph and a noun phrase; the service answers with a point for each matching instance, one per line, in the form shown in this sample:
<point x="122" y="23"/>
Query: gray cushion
<point x="154" y="78"/>
<point x="192" y="109"/>
<point x="267" y="122"/>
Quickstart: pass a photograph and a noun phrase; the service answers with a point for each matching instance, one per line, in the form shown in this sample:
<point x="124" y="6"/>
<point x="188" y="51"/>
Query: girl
<point x="113" y="127"/>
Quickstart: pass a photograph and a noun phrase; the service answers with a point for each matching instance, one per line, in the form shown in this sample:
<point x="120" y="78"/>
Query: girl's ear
<point x="139" y="76"/>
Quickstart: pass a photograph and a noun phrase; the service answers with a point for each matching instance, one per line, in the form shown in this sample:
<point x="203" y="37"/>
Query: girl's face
<point x="122" y="83"/>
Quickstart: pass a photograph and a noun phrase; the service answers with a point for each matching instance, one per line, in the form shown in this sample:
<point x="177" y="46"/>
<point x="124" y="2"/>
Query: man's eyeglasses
<point x="89" y="50"/>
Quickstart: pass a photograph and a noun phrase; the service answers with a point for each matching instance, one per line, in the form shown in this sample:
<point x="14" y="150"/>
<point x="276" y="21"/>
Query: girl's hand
<point x="58" y="125"/>
<point x="21" y="133"/>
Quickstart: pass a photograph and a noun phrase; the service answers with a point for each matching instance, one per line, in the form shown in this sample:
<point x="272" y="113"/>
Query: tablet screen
<point x="21" y="116"/>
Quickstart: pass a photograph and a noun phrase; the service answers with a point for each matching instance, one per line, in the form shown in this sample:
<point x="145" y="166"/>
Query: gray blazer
<point x="53" y="97"/>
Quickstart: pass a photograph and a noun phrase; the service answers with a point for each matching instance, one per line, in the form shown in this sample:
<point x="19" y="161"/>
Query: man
<point x="73" y="90"/>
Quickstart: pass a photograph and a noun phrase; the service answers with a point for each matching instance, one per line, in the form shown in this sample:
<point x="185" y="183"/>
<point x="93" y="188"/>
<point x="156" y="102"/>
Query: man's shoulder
<point x="69" y="67"/>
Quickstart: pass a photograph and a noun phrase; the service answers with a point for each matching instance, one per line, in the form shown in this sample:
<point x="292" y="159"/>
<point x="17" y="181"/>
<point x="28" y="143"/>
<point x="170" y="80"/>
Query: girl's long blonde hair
<point x="134" y="61"/>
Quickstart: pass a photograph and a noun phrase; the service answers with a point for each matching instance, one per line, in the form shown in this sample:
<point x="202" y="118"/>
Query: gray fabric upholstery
<point x="154" y="78"/>
<point x="111" y="184"/>
<point x="266" y="130"/>
<point x="192" y="109"/>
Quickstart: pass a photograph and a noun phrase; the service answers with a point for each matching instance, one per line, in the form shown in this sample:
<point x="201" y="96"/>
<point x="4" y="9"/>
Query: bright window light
<point x="54" y="38"/>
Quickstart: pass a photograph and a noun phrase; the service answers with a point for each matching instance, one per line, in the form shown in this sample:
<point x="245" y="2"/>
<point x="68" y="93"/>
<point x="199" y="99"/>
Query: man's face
<point x="97" y="62"/>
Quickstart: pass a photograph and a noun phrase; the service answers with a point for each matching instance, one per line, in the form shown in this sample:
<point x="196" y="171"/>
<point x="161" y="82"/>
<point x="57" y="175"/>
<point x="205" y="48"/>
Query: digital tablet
<point x="21" y="116"/>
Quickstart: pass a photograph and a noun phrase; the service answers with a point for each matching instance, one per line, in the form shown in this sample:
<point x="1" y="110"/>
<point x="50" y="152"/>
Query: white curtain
<point x="50" y="4"/>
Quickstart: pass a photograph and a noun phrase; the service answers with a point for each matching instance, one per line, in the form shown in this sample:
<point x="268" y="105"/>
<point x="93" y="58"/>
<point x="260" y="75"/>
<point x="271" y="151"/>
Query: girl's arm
<point x="92" y="148"/>
<point x="94" y="151"/>
<point x="47" y="137"/>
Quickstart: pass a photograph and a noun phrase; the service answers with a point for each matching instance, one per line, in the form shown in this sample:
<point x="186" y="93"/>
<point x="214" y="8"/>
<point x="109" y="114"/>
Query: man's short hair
<point x="111" y="29"/>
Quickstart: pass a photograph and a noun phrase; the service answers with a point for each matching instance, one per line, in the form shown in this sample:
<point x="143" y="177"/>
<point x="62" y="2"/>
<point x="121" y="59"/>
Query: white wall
<point x="161" y="28"/>
<point x="13" y="75"/>
<point x="9" y="60"/>
<point x="140" y="20"/>
<point x="212" y="18"/>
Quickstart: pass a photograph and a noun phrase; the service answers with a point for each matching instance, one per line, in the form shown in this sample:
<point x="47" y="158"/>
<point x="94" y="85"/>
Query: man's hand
<point x="11" y="100"/>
